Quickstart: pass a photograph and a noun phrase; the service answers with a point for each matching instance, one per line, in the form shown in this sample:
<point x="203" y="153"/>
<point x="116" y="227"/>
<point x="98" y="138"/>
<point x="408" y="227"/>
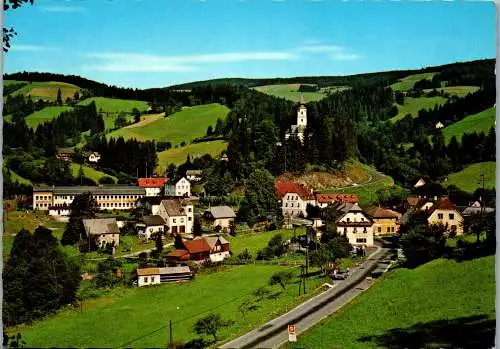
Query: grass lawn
<point x="46" y="114"/>
<point x="432" y="306"/>
<point x="90" y="173"/>
<point x="413" y="105"/>
<point x="140" y="316"/>
<point x="459" y="91"/>
<point x="177" y="156"/>
<point x="408" y="82"/>
<point x="468" y="179"/>
<point x="290" y="92"/>
<point x="185" y="125"/>
<point x="48" y="90"/>
<point x="480" y="122"/>
<point x="257" y="241"/>
<point x="13" y="82"/>
<point x="115" y="105"/>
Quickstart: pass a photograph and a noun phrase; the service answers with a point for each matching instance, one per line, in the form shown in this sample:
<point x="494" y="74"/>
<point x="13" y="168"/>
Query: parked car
<point x="340" y="275"/>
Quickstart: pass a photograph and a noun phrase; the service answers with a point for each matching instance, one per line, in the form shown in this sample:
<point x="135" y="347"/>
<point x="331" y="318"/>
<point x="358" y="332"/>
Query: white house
<point x="194" y="175"/>
<point x="294" y="198"/>
<point x="178" y="214"/>
<point x="181" y="188"/>
<point x="439" y="125"/>
<point x="220" y="216"/>
<point x="151" y="224"/>
<point x="156" y="276"/>
<point x="219" y="248"/>
<point x="301" y="125"/>
<point x="94" y="157"/>
<point x="357" y="226"/>
<point x="153" y="186"/>
<point x="443" y="211"/>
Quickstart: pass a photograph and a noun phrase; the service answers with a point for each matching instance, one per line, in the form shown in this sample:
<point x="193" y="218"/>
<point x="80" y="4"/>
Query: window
<point x="392" y="229"/>
<point x="362" y="219"/>
<point x="348" y="219"/>
<point x="361" y="240"/>
<point x="345" y="230"/>
<point x="173" y="220"/>
<point x="298" y="204"/>
<point x="190" y="209"/>
<point x="440" y="216"/>
<point x="152" y="279"/>
<point x="388" y="229"/>
<point x="286" y="205"/>
<point x="379" y="229"/>
<point x="190" y="219"/>
<point x="355" y="230"/>
<point x="146" y="279"/>
<point x="452" y="216"/>
<point x="182" y="220"/>
<point x="291" y="204"/>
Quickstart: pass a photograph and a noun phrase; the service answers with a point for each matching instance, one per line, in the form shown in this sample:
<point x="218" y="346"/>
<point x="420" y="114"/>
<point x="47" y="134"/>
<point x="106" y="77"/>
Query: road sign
<point x="292" y="335"/>
<point x="291" y="328"/>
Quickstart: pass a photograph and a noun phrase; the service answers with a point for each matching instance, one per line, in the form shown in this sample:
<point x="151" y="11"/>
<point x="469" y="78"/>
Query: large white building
<point x="181" y="188"/>
<point x="301" y="125"/>
<point x="178" y="214"/>
<point x="356" y="226"/>
<point x="294" y="198"/>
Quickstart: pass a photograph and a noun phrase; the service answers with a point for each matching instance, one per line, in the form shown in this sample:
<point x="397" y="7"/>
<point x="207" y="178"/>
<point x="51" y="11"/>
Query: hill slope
<point x="480" y="122"/>
<point x="469" y="178"/>
<point x="178" y="156"/>
<point x="291" y="92"/>
<point x="46" y="114"/>
<point x="48" y="90"/>
<point x="440" y="304"/>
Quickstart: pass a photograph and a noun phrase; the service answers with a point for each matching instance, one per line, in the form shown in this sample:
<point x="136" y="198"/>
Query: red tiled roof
<point x="443" y="203"/>
<point x="291" y="187"/>
<point x="151" y="182"/>
<point x="379" y="212"/>
<point x="196" y="246"/>
<point x="181" y="254"/>
<point x="328" y="198"/>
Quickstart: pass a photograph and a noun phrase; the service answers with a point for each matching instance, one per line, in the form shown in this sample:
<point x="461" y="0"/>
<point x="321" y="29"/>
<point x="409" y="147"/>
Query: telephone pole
<point x="171" y="345"/>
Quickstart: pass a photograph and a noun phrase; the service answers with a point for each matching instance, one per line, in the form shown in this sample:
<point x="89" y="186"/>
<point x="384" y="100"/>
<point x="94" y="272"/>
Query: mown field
<point x="290" y="92"/>
<point x="47" y="90"/>
<point x="89" y="172"/>
<point x="469" y="179"/>
<point x="140" y="316"/>
<point x="257" y="241"/>
<point x="44" y="115"/>
<point x="184" y="126"/>
<point x="442" y="304"/>
<point x="17" y="178"/>
<point x="459" y="91"/>
<point x="413" y="105"/>
<point x="480" y="122"/>
<point x="408" y="82"/>
<point x="178" y="156"/>
<point x="115" y="105"/>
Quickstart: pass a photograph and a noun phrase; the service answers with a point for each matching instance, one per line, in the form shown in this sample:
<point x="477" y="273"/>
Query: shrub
<point x="106" y="180"/>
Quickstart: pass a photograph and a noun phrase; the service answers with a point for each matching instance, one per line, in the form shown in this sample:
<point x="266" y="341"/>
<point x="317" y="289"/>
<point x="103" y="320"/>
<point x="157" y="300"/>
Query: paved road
<point x="275" y="332"/>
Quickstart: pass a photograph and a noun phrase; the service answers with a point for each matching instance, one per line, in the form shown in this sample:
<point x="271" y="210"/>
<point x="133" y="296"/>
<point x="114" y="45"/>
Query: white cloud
<point x="342" y="56"/>
<point x="63" y="9"/>
<point x="315" y="48"/>
<point x="32" y="48"/>
<point x="140" y="68"/>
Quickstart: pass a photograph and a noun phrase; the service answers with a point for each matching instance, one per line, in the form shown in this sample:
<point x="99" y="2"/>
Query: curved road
<point x="275" y="332"/>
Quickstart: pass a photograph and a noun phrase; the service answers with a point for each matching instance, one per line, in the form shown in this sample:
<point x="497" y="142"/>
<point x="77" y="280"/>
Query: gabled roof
<point x="99" y="226"/>
<point x="443" y="203"/>
<point x="221" y="212"/>
<point x="212" y="240"/>
<point x="180" y="254"/>
<point x="153" y="220"/>
<point x="379" y="212"/>
<point x="284" y="188"/>
<point x="151" y="182"/>
<point x="174" y="207"/>
<point x="163" y="271"/>
<point x="197" y="246"/>
<point x="327" y="198"/>
<point x="412" y="200"/>
<point x="194" y="172"/>
<point x="148" y="271"/>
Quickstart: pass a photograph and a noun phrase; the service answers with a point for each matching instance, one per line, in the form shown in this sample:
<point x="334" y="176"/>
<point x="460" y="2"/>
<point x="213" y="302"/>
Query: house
<point x="301" y="125"/>
<point x="421" y="182"/>
<point x="219" y="247"/>
<point x="178" y="214"/>
<point x="94" y="157"/>
<point x="65" y="154"/>
<point x="385" y="221"/>
<point x="109" y="197"/>
<point x="294" y="198"/>
<point x="439" y="125"/>
<point x="220" y="216"/>
<point x="101" y="231"/>
<point x="442" y="210"/>
<point x="474" y="208"/>
<point x="150" y="225"/>
<point x="156" y="276"/>
<point x="356" y="226"/>
<point x="181" y="188"/>
<point x="153" y="186"/>
<point x="224" y="157"/>
<point x="194" y="175"/>
<point x="197" y="251"/>
<point x="323" y="200"/>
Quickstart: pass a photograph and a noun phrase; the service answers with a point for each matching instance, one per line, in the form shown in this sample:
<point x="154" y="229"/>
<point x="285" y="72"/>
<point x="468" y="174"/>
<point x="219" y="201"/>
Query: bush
<point x="244" y="257"/>
<point x="106" y="180"/>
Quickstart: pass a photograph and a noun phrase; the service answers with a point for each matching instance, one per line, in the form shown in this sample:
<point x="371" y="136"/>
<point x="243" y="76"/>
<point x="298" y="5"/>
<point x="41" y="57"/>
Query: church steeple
<point x="302" y="114"/>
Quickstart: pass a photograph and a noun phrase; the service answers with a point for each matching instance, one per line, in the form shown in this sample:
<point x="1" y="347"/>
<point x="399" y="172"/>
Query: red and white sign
<point x="292" y="335"/>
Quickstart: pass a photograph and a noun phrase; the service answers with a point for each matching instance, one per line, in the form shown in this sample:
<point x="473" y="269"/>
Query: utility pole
<point x="171" y="345"/>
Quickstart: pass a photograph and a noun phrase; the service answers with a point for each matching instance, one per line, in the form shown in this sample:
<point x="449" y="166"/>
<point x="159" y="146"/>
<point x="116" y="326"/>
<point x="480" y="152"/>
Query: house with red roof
<point x="294" y="198"/>
<point x="215" y="248"/>
<point x="442" y="211"/>
<point x="153" y="186"/>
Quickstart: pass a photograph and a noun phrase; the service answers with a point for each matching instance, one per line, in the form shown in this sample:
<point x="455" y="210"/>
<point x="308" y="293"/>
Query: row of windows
<point x="146" y="279"/>
<point x="43" y="197"/>
<point x="182" y="219"/>
<point x="99" y="197"/>
<point x="389" y="229"/>
<point x="361" y="240"/>
<point x="451" y="216"/>
<point x="291" y="205"/>
<point x="354" y="231"/>
<point x="348" y="219"/>
<point x="292" y="197"/>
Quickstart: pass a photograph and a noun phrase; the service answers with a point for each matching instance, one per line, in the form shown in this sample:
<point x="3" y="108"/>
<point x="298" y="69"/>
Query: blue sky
<point x="154" y="43"/>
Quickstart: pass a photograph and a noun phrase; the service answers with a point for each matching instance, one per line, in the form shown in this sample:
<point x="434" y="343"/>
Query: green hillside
<point x="480" y="122"/>
<point x="407" y="83"/>
<point x="190" y="123"/>
<point x="115" y="105"/>
<point x="469" y="178"/>
<point x="89" y="172"/>
<point x="17" y="178"/>
<point x="291" y="92"/>
<point x="178" y="156"/>
<point x="459" y="91"/>
<point x="48" y="90"/>
<point x="413" y="105"/>
<point x="46" y="114"/>
<point x="442" y="304"/>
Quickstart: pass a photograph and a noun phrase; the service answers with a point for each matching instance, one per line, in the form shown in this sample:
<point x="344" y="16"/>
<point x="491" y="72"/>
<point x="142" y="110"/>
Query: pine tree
<point x="59" y="97"/>
<point x="83" y="206"/>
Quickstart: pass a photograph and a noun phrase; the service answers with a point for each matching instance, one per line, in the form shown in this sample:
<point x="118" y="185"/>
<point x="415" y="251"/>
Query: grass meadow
<point x="436" y="304"/>
<point x="115" y="105"/>
<point x="413" y="105"/>
<point x="408" y="82"/>
<point x="89" y="172"/>
<point x="48" y="90"/>
<point x="290" y="92"/>
<point x="468" y="179"/>
<point x="17" y="178"/>
<point x="459" y="91"/>
<point x="178" y="156"/>
<point x="184" y="126"/>
<point x="257" y="241"/>
<point x="44" y="115"/>
<point x="480" y="122"/>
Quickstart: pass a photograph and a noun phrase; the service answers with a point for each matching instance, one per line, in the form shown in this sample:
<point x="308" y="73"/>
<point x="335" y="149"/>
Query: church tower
<point x="302" y="114"/>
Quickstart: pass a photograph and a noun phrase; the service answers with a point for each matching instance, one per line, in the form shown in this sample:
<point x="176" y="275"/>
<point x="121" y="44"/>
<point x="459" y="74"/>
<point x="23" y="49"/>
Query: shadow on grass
<point x="473" y="332"/>
<point x="274" y="295"/>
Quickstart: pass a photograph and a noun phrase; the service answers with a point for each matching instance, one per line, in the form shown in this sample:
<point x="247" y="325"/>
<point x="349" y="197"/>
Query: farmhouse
<point x="294" y="198"/>
<point x="443" y="211"/>
<point x="197" y="251"/>
<point x="439" y="125"/>
<point x="150" y="225"/>
<point x="65" y="154"/>
<point x="194" y="175"/>
<point x="356" y="226"/>
<point x="301" y="125"/>
<point x="220" y="216"/>
<point x="178" y="215"/>
<point x="181" y="188"/>
<point x="101" y="231"/>
<point x="94" y="157"/>
<point x="110" y="197"/>
<point x="153" y="186"/>
<point x="385" y="222"/>
<point x="155" y="276"/>
<point x="219" y="247"/>
<point x="323" y="200"/>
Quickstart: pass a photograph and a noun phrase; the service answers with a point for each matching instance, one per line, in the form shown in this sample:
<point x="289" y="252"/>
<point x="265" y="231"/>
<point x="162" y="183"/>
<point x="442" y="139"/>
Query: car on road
<point x="340" y="275"/>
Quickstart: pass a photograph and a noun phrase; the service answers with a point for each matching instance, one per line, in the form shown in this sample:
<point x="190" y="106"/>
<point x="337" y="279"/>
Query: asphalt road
<point x="275" y="332"/>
